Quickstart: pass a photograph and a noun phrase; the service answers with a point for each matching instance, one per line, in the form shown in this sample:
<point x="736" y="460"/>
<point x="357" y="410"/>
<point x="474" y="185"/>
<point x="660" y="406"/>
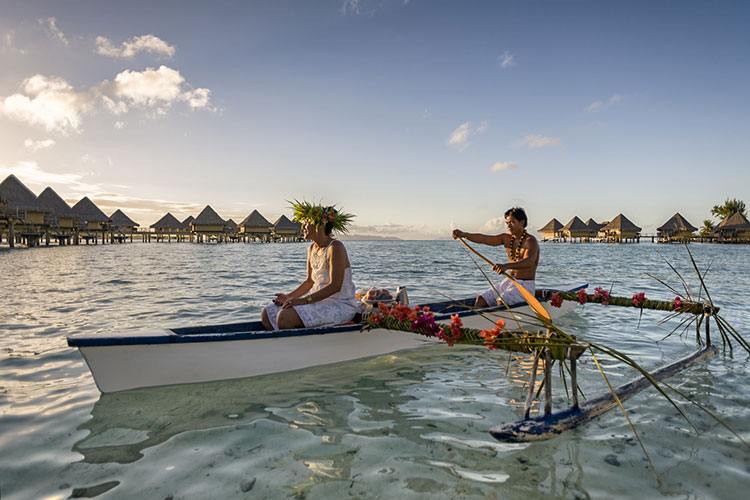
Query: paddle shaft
<point x="536" y="306"/>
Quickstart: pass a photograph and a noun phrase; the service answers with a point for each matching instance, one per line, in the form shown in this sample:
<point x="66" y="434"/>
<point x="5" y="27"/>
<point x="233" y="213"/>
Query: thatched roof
<point x="86" y="210"/>
<point x="576" y="224"/>
<point x="51" y="201"/>
<point x="119" y="219"/>
<point x="208" y="217"/>
<point x="283" y="223"/>
<point x="733" y="222"/>
<point x="620" y="223"/>
<point x="230" y="225"/>
<point x="17" y="195"/>
<point x="186" y="223"/>
<point x="167" y="222"/>
<point x="552" y="226"/>
<point x="677" y="223"/>
<point x="593" y="225"/>
<point x="255" y="220"/>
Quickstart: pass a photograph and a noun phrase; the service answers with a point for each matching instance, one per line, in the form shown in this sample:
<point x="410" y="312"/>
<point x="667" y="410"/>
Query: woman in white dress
<point x="326" y="297"/>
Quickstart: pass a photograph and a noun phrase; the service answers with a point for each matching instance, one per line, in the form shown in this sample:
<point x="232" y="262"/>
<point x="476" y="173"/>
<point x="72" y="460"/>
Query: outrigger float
<point x="157" y="357"/>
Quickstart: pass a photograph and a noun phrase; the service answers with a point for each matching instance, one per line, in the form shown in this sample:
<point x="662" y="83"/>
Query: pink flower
<point x="582" y="297"/>
<point x="639" y="299"/>
<point x="601" y="294"/>
<point x="556" y="300"/>
<point x="677" y="303"/>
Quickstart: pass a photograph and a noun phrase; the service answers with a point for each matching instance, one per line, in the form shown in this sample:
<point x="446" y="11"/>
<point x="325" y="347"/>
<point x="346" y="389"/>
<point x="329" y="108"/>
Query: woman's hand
<point x="295" y="301"/>
<point x="280" y="299"/>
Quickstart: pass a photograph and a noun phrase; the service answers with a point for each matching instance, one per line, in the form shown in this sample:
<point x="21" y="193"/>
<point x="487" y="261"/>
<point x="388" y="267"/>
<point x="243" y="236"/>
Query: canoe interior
<point x="255" y="330"/>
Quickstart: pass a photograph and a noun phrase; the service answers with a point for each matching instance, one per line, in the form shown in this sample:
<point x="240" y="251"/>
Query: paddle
<point x="535" y="305"/>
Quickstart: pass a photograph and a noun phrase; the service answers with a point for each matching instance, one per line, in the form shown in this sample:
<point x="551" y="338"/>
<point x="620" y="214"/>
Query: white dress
<point x="336" y="309"/>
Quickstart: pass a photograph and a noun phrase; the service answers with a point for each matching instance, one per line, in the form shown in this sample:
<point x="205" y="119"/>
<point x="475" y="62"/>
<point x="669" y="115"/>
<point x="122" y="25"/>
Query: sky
<point x="417" y="116"/>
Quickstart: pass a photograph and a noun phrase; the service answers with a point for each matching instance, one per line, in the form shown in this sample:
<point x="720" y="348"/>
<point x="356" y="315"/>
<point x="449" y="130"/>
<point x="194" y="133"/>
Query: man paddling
<point x="523" y="259"/>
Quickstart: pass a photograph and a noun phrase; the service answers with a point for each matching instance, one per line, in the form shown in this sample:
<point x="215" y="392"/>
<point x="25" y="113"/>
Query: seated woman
<point x="326" y="297"/>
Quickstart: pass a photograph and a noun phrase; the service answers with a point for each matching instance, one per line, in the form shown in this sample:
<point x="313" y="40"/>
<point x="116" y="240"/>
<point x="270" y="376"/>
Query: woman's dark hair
<point x="329" y="227"/>
<point x="518" y="214"/>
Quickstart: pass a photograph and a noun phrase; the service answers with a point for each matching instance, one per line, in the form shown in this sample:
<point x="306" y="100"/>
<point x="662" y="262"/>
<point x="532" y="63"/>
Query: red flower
<point x="556" y="300"/>
<point x="601" y="294"/>
<point x="677" y="304"/>
<point x="639" y="299"/>
<point x="383" y="308"/>
<point x="582" y="296"/>
<point x="500" y="323"/>
<point x="375" y="319"/>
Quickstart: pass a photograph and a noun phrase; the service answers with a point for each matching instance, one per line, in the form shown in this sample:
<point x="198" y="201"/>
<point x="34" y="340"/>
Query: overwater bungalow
<point x="231" y="230"/>
<point x="594" y="228"/>
<point x="551" y="230"/>
<point x="25" y="218"/>
<point x="620" y="230"/>
<point x="208" y="226"/>
<point x="575" y="230"/>
<point x="286" y="230"/>
<point x="255" y="226"/>
<point x="733" y="229"/>
<point x="60" y="217"/>
<point x="123" y="225"/>
<point x="166" y="227"/>
<point x="93" y="222"/>
<point x="676" y="229"/>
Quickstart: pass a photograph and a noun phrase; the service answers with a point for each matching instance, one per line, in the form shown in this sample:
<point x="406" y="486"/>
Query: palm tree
<point x="708" y="226"/>
<point x="730" y="207"/>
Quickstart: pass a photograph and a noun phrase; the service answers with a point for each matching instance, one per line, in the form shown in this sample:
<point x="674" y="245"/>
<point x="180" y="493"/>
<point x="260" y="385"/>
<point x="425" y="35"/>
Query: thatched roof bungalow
<point x="185" y="224"/>
<point x="677" y="228"/>
<point x="167" y="224"/>
<point x="255" y="225"/>
<point x="736" y="227"/>
<point x="551" y="230"/>
<point x="594" y="227"/>
<point x="21" y="202"/>
<point x="620" y="230"/>
<point x="575" y="229"/>
<point x="230" y="226"/>
<point x="62" y="215"/>
<point x="122" y="222"/>
<point x="286" y="229"/>
<point x="208" y="223"/>
<point x="92" y="217"/>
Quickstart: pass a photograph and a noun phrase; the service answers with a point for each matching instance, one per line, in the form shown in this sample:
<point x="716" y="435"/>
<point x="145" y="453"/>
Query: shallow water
<point x="409" y="425"/>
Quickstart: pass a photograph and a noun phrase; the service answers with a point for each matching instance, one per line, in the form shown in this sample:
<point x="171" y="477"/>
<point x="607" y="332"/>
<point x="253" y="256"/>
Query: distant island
<point x="365" y="237"/>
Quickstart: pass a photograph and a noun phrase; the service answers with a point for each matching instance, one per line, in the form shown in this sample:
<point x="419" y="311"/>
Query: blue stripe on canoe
<point x="254" y="329"/>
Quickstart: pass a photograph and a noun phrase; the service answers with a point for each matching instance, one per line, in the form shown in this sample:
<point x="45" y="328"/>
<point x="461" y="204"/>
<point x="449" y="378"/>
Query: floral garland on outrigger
<point x="421" y="320"/>
<point x="639" y="300"/>
<point x="305" y="211"/>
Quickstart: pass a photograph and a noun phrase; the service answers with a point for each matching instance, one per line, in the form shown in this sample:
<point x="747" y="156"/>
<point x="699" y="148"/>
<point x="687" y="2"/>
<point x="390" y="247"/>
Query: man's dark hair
<point x="518" y="214"/>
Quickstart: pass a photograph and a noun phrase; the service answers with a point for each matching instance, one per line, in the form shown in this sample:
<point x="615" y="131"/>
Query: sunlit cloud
<point x="50" y="27"/>
<point x="459" y="138"/>
<point x="402" y="231"/>
<point x="506" y="60"/>
<point x="128" y="49"/>
<point x="49" y="103"/>
<point x="598" y="105"/>
<point x="33" y="176"/>
<point x="35" y="146"/>
<point x="8" y="45"/>
<point x="537" y="141"/>
<point x="116" y="108"/>
<point x="119" y="125"/>
<point x="158" y="88"/>
<point x="503" y="166"/>
<point x="495" y="225"/>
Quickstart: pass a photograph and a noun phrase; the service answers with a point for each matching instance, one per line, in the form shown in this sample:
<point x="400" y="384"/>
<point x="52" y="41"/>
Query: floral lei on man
<point x="305" y="211"/>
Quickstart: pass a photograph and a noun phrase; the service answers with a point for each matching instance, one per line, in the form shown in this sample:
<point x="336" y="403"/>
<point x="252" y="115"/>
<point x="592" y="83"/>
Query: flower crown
<point x="318" y="214"/>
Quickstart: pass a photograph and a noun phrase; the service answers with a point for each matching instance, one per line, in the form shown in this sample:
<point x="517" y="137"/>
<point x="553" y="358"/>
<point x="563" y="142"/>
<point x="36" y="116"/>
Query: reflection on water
<point x="408" y="425"/>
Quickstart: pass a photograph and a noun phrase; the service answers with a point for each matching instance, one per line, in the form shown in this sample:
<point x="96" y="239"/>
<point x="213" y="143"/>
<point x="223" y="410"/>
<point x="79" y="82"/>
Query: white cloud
<point x="159" y="88"/>
<point x="503" y="166"/>
<point x="350" y="7"/>
<point x="50" y="26"/>
<point x="32" y="175"/>
<point x="506" y="60"/>
<point x="50" y="103"/>
<point x="459" y="138"/>
<point x="198" y="98"/>
<point x="8" y="46"/>
<point x="493" y="226"/>
<point x="119" y="125"/>
<point x="537" y="141"/>
<point x="143" y="43"/>
<point x="116" y="108"/>
<point x="599" y="105"/>
<point x="35" y="146"/>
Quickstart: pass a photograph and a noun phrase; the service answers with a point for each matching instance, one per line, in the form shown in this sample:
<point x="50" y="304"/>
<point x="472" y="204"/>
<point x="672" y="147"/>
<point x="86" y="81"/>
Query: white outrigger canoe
<point x="157" y="357"/>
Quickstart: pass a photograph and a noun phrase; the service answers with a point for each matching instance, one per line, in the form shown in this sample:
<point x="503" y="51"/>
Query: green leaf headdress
<point x="305" y="211"/>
